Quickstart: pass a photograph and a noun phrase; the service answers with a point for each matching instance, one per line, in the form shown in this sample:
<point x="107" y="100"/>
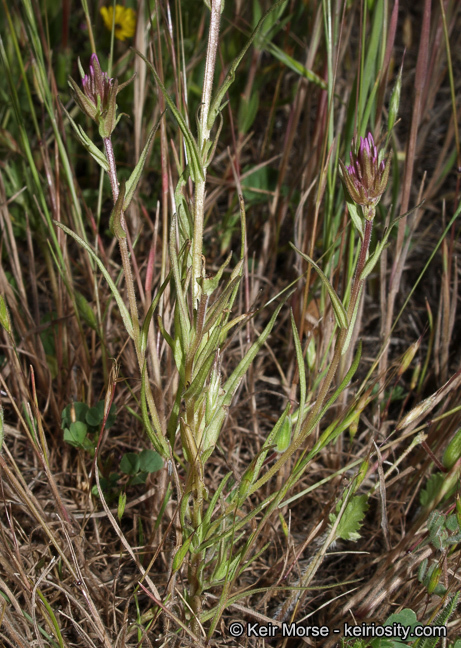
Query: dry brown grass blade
<point x="124" y="541"/>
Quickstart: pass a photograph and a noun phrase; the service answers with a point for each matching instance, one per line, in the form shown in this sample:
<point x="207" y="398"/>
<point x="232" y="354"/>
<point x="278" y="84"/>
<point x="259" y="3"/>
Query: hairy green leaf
<point x="351" y="520"/>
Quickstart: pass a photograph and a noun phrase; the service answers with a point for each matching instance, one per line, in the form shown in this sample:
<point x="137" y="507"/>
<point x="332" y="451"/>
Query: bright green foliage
<point x="4" y="316"/>
<point x="121" y="505"/>
<point x="351" y="519"/>
<point x="139" y="465"/>
<point x="453" y="451"/>
<point x="444" y="536"/>
<point x="439" y="488"/>
<point x="109" y="486"/>
<point x="2" y="431"/>
<point x="338" y="308"/>
<point x="407" y="618"/>
<point x="82" y="424"/>
<point x="431" y="489"/>
<point x="283" y="438"/>
<point x="441" y="620"/>
<point x="85" y="311"/>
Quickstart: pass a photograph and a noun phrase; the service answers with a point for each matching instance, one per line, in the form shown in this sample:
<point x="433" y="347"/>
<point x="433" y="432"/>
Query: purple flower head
<point x="366" y="178"/>
<point x="96" y="84"/>
<point x="98" y="99"/>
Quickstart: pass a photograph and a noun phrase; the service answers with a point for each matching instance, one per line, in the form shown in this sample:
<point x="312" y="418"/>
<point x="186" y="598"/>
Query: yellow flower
<point x="125" y="21"/>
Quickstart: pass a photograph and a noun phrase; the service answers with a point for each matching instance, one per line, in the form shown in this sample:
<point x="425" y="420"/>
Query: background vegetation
<point x="112" y="531"/>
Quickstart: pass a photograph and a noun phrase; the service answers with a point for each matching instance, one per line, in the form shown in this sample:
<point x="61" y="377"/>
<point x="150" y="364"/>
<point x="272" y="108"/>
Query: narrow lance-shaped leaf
<point x="301" y="370"/>
<point x="198" y="383"/>
<point x="221" y="303"/>
<point x="208" y="286"/>
<point x="180" y="348"/>
<point x="116" y="217"/>
<point x="356" y="217"/>
<point x="216" y="107"/>
<point x="156" y="437"/>
<point x="135" y="176"/>
<point x="230" y="325"/>
<point x="230" y="387"/>
<point x="394" y="103"/>
<point x="191" y="145"/>
<point x="269" y="442"/>
<point x="350" y="330"/>
<point x="181" y="554"/>
<point x="85" y="141"/>
<point x="184" y="319"/>
<point x="214" y="500"/>
<point x="308" y="426"/>
<point x="234" y="380"/>
<point x="4" y="315"/>
<point x="294" y="65"/>
<point x="345" y="381"/>
<point x="208" y="348"/>
<point x="372" y="261"/>
<point x="338" y="308"/>
<point x="333" y="431"/>
<point x="238" y="270"/>
<point x="150" y="312"/>
<point x="123" y="309"/>
<point x="209" y="146"/>
<point x="166" y="336"/>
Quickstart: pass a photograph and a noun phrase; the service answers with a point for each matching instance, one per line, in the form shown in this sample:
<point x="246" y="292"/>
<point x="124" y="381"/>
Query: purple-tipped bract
<point x="366" y="178"/>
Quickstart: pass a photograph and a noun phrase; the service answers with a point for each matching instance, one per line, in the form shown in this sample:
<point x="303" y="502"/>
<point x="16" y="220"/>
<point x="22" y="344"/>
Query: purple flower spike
<point x="366" y="178"/>
<point x="98" y="99"/>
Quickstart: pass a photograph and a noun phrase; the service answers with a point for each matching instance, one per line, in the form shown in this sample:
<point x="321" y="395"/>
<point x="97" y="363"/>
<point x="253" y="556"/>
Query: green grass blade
<point x="123" y="309"/>
<point x="338" y="308"/>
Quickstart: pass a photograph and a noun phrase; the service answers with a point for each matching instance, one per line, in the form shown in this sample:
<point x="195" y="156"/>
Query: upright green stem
<point x="124" y="247"/>
<point x="122" y="241"/>
<point x="308" y="426"/>
<point x="196" y="469"/>
<point x="204" y="136"/>
<point x="355" y="295"/>
<point x="324" y="389"/>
